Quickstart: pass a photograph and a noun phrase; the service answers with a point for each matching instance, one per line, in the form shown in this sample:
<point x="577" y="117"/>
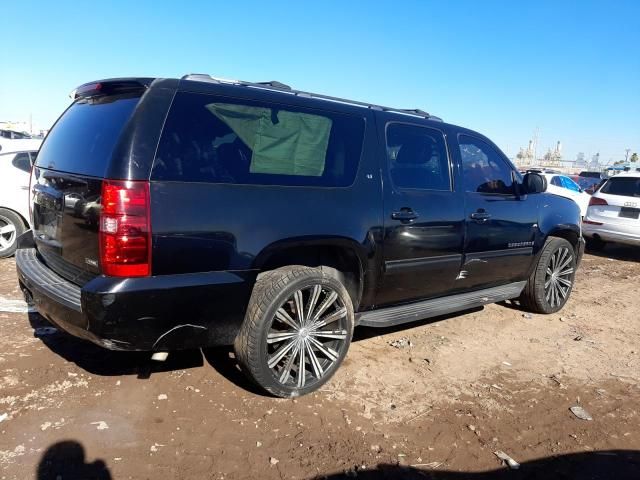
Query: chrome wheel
<point x="559" y="277"/>
<point x="7" y="234"/>
<point x="307" y="336"/>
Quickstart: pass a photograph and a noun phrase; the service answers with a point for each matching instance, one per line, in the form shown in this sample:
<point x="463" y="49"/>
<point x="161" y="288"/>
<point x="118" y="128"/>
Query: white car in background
<point x="562" y="185"/>
<point x="19" y="144"/>
<point x="15" y="170"/>
<point x="614" y="212"/>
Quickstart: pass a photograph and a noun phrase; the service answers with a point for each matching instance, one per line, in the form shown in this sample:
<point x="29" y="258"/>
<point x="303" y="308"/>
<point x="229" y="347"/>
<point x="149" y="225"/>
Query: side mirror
<point x="534" y="183"/>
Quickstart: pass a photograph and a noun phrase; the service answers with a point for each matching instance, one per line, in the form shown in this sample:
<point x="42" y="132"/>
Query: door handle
<point x="405" y="215"/>
<point x="480" y="217"/>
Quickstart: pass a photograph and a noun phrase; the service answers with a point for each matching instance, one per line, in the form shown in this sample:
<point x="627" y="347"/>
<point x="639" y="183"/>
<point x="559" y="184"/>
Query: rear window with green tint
<point x="211" y="139"/>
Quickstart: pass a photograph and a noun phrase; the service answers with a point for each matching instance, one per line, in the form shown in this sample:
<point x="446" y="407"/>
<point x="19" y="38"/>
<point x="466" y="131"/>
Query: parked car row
<point x="564" y="186"/>
<point x="578" y="188"/>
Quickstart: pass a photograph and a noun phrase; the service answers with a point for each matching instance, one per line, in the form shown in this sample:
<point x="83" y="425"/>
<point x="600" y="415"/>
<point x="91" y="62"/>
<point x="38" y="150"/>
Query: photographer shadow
<point x="67" y="460"/>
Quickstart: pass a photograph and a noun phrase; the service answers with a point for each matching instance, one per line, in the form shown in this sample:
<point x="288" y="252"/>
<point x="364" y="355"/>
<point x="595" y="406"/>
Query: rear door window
<point x="83" y="139"/>
<point x="417" y="157"/>
<point x="624" y="186"/>
<point x="217" y="140"/>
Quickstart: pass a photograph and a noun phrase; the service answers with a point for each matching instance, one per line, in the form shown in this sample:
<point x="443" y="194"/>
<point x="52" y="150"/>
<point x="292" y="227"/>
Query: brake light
<point x="125" y="229"/>
<point x="86" y="90"/>
<point x="597" y="201"/>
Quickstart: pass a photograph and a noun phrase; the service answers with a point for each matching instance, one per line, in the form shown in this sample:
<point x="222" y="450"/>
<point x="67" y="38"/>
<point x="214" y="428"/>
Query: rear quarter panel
<point x="200" y="227"/>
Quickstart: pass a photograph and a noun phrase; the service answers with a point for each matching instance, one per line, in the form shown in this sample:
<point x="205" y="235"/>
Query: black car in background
<point x="277" y="220"/>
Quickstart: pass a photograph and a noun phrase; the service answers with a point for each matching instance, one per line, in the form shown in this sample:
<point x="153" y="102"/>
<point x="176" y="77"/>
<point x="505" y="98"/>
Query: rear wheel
<point x="296" y="331"/>
<point x="11" y="227"/>
<point x="550" y="284"/>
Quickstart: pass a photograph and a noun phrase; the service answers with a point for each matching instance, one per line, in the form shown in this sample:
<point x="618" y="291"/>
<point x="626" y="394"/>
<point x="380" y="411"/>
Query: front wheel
<point x="297" y="330"/>
<point x="550" y="284"/>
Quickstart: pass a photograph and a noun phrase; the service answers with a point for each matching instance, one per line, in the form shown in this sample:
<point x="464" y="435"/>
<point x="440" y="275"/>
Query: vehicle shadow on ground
<point x="66" y="460"/>
<point x="624" y="253"/>
<point x="100" y="361"/>
<point x="604" y="465"/>
<point x="222" y="359"/>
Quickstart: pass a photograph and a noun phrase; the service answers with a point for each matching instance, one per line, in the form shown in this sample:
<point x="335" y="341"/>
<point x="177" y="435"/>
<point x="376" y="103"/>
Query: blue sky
<point x="569" y="68"/>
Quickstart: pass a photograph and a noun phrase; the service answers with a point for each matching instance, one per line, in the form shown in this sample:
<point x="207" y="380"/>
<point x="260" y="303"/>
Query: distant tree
<point x="634" y="157"/>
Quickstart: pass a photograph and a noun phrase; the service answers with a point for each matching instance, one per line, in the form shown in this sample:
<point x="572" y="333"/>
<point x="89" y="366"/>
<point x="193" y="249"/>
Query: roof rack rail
<point x="284" y="88"/>
<point x="275" y="84"/>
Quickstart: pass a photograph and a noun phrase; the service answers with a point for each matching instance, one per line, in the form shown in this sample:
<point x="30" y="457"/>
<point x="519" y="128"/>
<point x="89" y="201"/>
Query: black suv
<point x="172" y="214"/>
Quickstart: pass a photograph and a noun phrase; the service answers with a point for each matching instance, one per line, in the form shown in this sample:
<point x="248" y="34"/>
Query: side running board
<point x="390" y="316"/>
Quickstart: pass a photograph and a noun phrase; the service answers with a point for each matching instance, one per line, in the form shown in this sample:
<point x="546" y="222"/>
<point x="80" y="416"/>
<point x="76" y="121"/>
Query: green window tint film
<point x="282" y="142"/>
<point x="214" y="139"/>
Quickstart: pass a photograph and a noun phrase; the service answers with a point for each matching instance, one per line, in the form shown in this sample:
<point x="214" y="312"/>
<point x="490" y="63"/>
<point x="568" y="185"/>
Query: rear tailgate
<point x="622" y="196"/>
<point x="67" y="182"/>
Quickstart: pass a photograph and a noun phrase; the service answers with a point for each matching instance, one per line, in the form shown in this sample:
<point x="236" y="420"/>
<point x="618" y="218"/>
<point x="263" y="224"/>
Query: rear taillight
<point x="125" y="229"/>
<point x="597" y="201"/>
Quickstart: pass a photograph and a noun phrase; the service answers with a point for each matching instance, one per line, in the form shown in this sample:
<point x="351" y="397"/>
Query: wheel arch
<point x="560" y="218"/>
<point x="340" y="257"/>
<point x="570" y="235"/>
<point x="18" y="214"/>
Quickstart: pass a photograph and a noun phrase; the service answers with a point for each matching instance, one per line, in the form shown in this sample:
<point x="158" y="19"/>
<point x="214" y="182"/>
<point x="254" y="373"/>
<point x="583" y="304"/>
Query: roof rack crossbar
<point x="283" y="88"/>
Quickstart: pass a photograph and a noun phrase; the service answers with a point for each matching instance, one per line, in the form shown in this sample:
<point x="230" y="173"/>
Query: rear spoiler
<point x="110" y="86"/>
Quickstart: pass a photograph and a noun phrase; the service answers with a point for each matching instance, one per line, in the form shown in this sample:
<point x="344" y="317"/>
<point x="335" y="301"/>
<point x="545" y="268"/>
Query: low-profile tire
<point x="549" y="286"/>
<point x="297" y="330"/>
<point x="11" y="227"/>
<point x="595" y="244"/>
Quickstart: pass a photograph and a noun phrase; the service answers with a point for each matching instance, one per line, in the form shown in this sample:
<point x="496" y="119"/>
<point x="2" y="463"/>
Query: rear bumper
<point x="612" y="233"/>
<point x="162" y="313"/>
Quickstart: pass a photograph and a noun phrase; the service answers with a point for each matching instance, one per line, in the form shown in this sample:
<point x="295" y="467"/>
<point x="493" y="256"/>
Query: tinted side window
<point x="217" y="140"/>
<point x="483" y="168"/>
<point x="556" y="181"/>
<point x="22" y="161"/>
<point x="417" y="157"/>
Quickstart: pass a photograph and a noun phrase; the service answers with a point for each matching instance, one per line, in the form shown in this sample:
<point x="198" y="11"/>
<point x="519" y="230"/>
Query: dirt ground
<point x="436" y="404"/>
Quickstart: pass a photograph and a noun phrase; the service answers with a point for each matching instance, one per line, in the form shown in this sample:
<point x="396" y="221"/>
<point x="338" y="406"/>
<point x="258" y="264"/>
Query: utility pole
<point x="626" y="156"/>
